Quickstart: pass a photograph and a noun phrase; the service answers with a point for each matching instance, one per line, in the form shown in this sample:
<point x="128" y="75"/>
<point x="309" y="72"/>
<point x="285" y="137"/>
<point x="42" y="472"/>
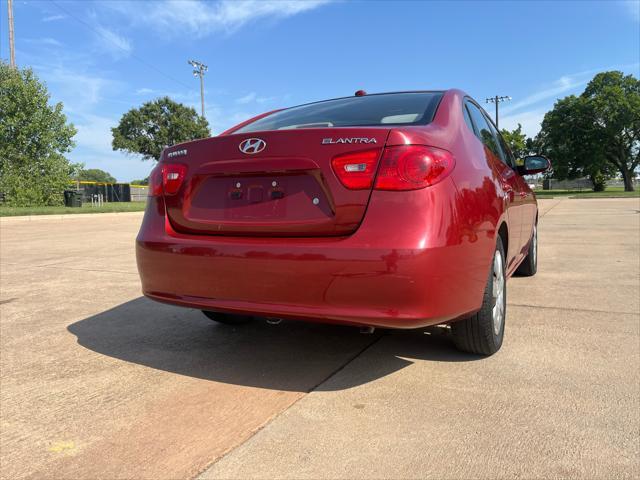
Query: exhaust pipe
<point x="367" y="330"/>
<point x="273" y="320"/>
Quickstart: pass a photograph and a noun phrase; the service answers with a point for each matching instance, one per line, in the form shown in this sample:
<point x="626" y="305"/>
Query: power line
<point x="101" y="34"/>
<point x="497" y="99"/>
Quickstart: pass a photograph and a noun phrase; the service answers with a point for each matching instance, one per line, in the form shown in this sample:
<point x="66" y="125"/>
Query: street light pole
<point x="497" y="99"/>
<point x="199" y="70"/>
<point x="202" y="93"/>
<point x="12" y="51"/>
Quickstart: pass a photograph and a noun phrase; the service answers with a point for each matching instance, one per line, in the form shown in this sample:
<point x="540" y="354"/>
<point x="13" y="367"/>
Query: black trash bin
<point x="72" y="198"/>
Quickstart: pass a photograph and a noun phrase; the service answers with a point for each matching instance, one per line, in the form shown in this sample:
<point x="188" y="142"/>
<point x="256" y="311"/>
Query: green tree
<point x="147" y="130"/>
<point x="96" y="175"/>
<point x="144" y="181"/>
<point x="517" y="142"/>
<point x="34" y="136"/>
<point x="596" y="133"/>
<point x="615" y="103"/>
<point x="568" y="138"/>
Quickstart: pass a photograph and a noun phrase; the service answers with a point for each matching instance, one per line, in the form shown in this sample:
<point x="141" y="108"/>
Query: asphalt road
<point x="97" y="382"/>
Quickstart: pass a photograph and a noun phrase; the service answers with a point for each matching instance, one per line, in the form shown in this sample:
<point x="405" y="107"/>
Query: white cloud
<point x="94" y="132"/>
<point x="253" y="97"/>
<point x="51" y="41"/>
<point x="562" y="85"/>
<point x="633" y="9"/>
<point x="48" y="41"/>
<point x="248" y="98"/>
<point x="74" y="87"/>
<point x="53" y="18"/>
<point x="144" y="91"/>
<point x="530" y="120"/>
<point x="200" y="18"/>
<point x="265" y="99"/>
<point x="114" y="44"/>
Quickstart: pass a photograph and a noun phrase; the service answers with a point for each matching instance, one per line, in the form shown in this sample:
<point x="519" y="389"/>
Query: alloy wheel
<point x="534" y="249"/>
<point x="498" y="292"/>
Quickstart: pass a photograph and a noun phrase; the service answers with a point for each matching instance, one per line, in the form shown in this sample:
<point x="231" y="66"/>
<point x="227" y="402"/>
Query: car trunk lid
<point x="282" y="184"/>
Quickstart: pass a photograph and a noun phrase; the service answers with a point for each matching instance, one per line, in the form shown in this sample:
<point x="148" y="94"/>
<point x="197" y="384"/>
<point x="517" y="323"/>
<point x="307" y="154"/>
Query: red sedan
<point x="397" y="210"/>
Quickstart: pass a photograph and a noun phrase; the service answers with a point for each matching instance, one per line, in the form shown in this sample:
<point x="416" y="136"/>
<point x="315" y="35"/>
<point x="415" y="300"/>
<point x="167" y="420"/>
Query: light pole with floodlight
<point x="199" y="70"/>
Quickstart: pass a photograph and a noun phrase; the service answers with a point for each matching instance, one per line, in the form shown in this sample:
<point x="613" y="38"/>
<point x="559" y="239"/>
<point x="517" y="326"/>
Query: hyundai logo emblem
<point x="252" y="145"/>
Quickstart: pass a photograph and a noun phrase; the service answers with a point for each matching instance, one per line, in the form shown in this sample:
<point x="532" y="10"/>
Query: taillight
<point x="166" y="178"/>
<point x="155" y="182"/>
<point x="172" y="176"/>
<point x="411" y="167"/>
<point x="356" y="170"/>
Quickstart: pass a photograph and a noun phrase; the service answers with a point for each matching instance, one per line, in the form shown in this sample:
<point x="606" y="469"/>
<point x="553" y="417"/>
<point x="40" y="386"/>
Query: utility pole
<point x="199" y="70"/>
<point x="497" y="99"/>
<point x="12" y="52"/>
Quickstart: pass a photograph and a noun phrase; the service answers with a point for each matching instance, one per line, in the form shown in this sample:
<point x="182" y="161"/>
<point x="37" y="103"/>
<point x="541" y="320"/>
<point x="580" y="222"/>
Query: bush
<point x="599" y="182"/>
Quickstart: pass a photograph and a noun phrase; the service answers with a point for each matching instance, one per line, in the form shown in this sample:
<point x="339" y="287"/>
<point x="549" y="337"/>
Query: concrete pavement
<point x="560" y="400"/>
<point x="97" y="382"/>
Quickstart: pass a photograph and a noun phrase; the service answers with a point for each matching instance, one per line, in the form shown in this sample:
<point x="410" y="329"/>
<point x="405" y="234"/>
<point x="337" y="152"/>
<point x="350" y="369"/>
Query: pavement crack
<point x="551" y="208"/>
<point x="347" y="362"/>
<point x="567" y="309"/>
<point x="61" y="266"/>
<point x="273" y="418"/>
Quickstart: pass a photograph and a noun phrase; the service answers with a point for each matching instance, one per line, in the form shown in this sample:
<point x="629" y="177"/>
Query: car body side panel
<point x="491" y="190"/>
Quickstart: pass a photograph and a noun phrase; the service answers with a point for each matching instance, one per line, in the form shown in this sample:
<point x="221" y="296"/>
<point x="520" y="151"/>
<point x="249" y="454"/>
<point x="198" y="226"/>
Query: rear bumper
<point x="385" y="274"/>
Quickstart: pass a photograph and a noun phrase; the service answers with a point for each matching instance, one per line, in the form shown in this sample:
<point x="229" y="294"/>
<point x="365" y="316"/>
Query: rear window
<point x="370" y="110"/>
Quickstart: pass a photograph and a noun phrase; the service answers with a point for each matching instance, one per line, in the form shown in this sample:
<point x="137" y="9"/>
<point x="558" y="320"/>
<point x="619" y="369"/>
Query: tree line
<point x="595" y="134"/>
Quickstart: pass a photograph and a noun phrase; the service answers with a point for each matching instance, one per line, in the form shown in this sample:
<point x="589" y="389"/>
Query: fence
<point x="111" y="192"/>
<point x="576" y="184"/>
<point x="139" y="193"/>
<point x="108" y="192"/>
<point x="580" y="184"/>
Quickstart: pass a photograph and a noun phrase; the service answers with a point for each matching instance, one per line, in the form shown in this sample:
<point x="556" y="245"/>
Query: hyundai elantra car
<point x="393" y="210"/>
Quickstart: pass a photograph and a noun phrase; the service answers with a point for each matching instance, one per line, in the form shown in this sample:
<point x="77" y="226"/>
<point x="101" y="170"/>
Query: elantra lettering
<point x="329" y="141"/>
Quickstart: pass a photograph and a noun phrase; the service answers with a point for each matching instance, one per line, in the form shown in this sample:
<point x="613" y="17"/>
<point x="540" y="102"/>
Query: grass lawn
<point x="86" y="208"/>
<point x="610" y="192"/>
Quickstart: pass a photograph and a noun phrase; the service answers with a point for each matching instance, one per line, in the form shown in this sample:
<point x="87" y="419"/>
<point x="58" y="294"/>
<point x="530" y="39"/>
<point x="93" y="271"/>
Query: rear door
<point x="508" y="178"/>
<point x="520" y="191"/>
<point x="529" y="205"/>
<point x="273" y="183"/>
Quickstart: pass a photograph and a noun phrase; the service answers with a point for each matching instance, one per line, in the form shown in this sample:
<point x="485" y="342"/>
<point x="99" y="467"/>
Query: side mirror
<point x="534" y="164"/>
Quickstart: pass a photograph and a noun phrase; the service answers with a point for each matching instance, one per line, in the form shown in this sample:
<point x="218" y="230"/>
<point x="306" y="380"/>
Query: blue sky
<point x="102" y="58"/>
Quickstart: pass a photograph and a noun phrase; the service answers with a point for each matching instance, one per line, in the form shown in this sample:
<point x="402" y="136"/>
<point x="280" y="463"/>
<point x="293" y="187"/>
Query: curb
<point x="69" y="216"/>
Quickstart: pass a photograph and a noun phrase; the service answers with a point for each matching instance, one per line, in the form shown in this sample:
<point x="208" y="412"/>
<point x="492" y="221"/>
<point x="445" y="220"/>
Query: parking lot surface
<point x="98" y="382"/>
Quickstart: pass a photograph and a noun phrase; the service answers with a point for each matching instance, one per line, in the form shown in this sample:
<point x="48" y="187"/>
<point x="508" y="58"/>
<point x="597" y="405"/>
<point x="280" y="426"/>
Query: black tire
<point x="227" y="318"/>
<point x="477" y="334"/>
<point x="529" y="265"/>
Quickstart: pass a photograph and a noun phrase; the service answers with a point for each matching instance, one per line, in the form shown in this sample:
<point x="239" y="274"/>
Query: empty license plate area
<point x="259" y="199"/>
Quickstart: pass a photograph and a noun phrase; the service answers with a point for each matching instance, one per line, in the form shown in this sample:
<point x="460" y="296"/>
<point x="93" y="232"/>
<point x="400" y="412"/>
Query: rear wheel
<point x="483" y="332"/>
<point x="529" y="265"/>
<point x="227" y="318"/>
